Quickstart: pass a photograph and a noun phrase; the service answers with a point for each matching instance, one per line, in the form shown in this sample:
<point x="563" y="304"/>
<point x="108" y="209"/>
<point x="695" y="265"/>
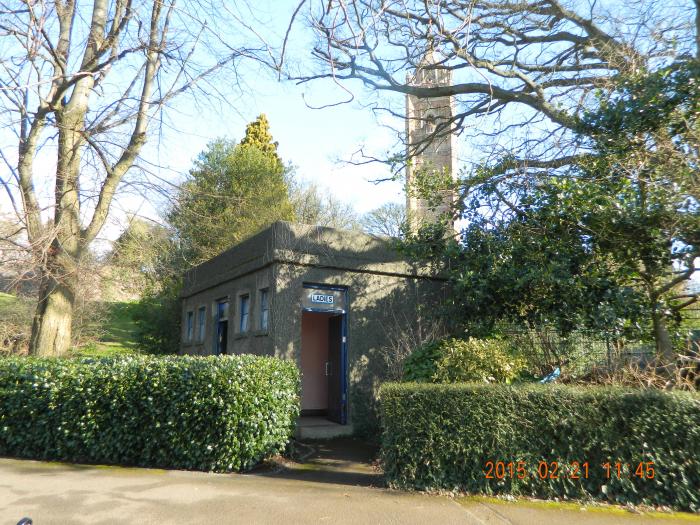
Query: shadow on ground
<point x="342" y="461"/>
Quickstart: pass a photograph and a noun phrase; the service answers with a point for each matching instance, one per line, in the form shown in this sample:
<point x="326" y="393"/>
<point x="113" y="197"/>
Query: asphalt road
<point x="54" y="493"/>
<point x="65" y="494"/>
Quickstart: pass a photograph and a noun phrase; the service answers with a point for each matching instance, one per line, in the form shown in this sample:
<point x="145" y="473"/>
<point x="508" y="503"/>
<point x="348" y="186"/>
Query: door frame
<point x="343" y="341"/>
<point x="217" y="324"/>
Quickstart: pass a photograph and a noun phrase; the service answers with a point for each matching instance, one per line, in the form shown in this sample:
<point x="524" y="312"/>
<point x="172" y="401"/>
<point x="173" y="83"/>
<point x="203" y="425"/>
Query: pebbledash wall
<point x="383" y="296"/>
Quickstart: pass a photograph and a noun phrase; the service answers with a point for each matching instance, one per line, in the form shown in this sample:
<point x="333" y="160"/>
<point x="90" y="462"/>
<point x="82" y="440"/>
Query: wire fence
<point x="578" y="353"/>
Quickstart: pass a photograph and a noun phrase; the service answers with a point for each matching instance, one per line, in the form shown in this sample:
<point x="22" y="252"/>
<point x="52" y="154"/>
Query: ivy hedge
<point x="617" y="445"/>
<point x="203" y="413"/>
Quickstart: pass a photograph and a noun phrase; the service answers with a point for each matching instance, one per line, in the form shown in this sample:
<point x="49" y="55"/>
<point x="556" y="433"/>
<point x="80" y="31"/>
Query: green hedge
<point x="202" y="413"/>
<point x="442" y="436"/>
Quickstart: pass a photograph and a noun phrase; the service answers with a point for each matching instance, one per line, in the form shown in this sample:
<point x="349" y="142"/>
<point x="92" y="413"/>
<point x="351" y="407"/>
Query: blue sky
<point x="317" y="141"/>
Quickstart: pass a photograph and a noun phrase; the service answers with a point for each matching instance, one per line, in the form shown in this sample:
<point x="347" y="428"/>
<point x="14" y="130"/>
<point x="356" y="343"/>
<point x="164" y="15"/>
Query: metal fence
<point x="579" y="352"/>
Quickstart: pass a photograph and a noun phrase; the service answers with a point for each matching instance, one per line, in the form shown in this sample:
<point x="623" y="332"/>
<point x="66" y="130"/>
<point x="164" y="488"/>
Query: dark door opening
<point x="221" y="328"/>
<point x="322" y="365"/>
<point x="221" y="337"/>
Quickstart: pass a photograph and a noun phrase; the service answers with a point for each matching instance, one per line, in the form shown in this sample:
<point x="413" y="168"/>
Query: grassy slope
<point x="118" y="328"/>
<point x="16" y="309"/>
<point x="118" y="333"/>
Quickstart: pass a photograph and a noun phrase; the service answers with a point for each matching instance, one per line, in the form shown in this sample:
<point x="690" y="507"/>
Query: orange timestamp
<point x="573" y="470"/>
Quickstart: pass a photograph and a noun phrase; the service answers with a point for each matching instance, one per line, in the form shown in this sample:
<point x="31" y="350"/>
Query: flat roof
<point x="305" y="245"/>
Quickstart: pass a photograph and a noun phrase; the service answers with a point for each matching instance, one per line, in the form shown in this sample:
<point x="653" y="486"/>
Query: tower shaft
<point x="430" y="147"/>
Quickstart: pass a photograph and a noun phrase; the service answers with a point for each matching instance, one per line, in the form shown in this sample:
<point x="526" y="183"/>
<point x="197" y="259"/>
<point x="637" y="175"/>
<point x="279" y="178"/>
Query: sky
<point x="318" y="142"/>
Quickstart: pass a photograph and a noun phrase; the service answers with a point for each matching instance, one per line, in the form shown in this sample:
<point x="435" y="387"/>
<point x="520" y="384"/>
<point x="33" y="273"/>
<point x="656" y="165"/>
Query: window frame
<point x="201" y="323"/>
<point x="243" y="313"/>
<point x="189" y="325"/>
<point x="217" y="303"/>
<point x="264" y="320"/>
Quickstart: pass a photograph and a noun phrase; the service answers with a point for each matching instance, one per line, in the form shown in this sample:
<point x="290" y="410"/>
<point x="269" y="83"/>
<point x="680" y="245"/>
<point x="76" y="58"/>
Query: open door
<point x="222" y="337"/>
<point x="323" y="356"/>
<point x="221" y="328"/>
<point x="335" y="369"/>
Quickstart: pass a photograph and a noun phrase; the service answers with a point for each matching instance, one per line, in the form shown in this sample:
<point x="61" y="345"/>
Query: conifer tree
<point x="257" y="134"/>
<point x="233" y="191"/>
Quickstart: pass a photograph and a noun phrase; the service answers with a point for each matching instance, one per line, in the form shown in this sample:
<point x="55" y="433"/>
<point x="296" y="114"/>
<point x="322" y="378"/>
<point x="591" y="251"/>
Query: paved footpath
<point x="54" y="493"/>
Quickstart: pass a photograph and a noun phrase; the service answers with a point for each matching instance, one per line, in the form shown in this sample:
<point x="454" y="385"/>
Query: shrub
<point x="442" y="436"/>
<point x="157" y="316"/>
<point x="458" y="360"/>
<point x="203" y="413"/>
<point x="421" y="364"/>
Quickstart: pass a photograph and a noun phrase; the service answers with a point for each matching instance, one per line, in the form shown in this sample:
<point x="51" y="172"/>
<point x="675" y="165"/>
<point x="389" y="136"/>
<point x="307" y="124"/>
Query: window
<point x="201" y="323"/>
<point x="264" y="309"/>
<point x="189" y="326"/>
<point x="429" y="123"/>
<point x="222" y="310"/>
<point x="245" y="313"/>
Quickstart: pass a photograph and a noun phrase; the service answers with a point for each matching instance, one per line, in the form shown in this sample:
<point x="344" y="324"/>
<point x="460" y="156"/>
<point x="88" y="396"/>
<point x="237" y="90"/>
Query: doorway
<point x="221" y="333"/>
<point x="323" y="365"/>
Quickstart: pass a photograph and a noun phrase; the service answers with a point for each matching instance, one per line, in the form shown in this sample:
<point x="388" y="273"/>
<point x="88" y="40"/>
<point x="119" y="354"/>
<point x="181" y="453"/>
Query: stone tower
<point x="423" y="115"/>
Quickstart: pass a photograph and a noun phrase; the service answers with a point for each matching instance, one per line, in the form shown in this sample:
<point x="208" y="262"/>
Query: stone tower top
<point x="429" y="73"/>
<point x="430" y="149"/>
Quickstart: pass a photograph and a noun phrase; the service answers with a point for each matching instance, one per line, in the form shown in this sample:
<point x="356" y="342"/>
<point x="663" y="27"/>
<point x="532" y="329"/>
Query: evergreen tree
<point x="234" y="191"/>
<point x="610" y="244"/>
<point x="257" y="134"/>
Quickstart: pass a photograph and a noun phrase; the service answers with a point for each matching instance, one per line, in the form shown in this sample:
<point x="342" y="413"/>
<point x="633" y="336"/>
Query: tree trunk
<point x="51" y="328"/>
<point x="664" y="347"/>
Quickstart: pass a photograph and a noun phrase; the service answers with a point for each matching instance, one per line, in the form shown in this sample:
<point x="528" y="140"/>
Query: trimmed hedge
<point x="442" y="436"/>
<point x="202" y="413"/>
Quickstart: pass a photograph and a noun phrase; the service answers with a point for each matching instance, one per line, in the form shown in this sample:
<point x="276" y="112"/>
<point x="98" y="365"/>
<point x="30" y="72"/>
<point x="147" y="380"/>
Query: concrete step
<point x="320" y="428"/>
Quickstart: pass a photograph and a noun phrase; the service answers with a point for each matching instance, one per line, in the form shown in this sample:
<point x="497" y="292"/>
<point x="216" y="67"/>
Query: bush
<point x="157" y="316"/>
<point x="442" y="436"/>
<point x="202" y="413"/>
<point x="459" y="360"/>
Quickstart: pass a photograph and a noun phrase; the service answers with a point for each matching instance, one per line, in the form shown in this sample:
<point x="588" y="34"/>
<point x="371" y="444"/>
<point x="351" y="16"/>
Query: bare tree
<point x="81" y="86"/>
<point x="523" y="72"/>
<point x="388" y="220"/>
<point x="316" y="206"/>
<point x="524" y="76"/>
<point x="404" y="336"/>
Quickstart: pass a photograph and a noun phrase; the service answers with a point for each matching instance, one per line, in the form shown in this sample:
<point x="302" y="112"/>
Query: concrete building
<point x="334" y="301"/>
<point x="337" y="302"/>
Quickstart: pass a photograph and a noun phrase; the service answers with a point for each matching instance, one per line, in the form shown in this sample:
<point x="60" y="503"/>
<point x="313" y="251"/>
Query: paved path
<point x="54" y="493"/>
<point x="67" y="494"/>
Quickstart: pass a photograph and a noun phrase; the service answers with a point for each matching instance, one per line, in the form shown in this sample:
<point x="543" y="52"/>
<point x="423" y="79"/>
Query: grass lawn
<point x="16" y="309"/>
<point x="118" y="333"/>
<point x="117" y="327"/>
